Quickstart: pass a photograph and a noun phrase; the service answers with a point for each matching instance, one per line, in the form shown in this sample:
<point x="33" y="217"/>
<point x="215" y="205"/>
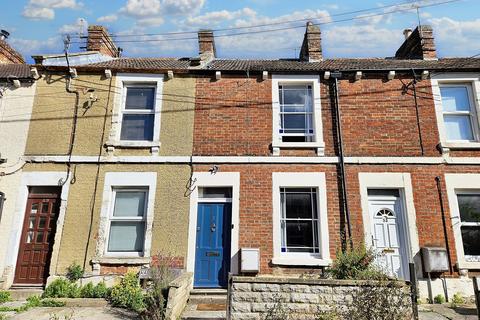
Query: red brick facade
<point x="234" y="118"/>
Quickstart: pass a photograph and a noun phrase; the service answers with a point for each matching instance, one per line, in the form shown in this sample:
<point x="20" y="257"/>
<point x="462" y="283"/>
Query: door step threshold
<point x="22" y="293"/>
<point x="207" y="291"/>
<point x="204" y="315"/>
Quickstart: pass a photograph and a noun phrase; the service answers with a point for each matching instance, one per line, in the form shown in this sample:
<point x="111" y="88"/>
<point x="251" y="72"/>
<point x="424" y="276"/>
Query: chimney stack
<point x="206" y="44"/>
<point x="312" y="44"/>
<point x="7" y="53"/>
<point x="99" y="40"/>
<point x="418" y="44"/>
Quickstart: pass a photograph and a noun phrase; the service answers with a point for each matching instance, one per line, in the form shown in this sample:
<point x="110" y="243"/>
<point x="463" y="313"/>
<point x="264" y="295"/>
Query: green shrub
<point x="33" y="301"/>
<point x="457" y="299"/>
<point x="87" y="291"/>
<point x="74" y="272"/>
<point x="62" y="288"/>
<point x="128" y="293"/>
<point x="355" y="263"/>
<point x="4" y="296"/>
<point x="439" y="299"/>
<point x="51" y="303"/>
<point x="101" y="291"/>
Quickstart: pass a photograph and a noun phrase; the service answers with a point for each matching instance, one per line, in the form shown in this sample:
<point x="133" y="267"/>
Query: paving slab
<point x="444" y="312"/>
<point x="76" y="313"/>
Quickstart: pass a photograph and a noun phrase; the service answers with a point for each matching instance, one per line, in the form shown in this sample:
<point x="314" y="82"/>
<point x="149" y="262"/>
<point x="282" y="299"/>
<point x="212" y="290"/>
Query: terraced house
<point x="261" y="167"/>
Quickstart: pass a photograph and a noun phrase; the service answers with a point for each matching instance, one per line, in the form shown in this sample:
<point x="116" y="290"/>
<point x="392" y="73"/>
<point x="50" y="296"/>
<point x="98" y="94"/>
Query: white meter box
<point x="250" y="260"/>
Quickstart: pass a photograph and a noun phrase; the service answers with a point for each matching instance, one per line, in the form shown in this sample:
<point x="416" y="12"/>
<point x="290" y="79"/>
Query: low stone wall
<point x="178" y="294"/>
<point x="255" y="297"/>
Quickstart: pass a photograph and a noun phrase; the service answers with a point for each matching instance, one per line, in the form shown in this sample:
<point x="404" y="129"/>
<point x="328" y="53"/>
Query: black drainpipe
<point x="444" y="221"/>
<point x="414" y="85"/>
<point x="336" y="76"/>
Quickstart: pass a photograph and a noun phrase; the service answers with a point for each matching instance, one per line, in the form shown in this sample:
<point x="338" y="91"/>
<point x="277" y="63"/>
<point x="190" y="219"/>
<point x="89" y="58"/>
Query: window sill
<point x="301" y="261"/>
<point x="122" y="260"/>
<point x="320" y="146"/>
<point x="461" y="145"/>
<point x="468" y="265"/>
<point x="153" y="145"/>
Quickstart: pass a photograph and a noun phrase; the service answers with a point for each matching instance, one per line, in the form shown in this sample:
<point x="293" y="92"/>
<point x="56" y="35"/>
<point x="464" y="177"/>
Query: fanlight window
<point x="385" y="213"/>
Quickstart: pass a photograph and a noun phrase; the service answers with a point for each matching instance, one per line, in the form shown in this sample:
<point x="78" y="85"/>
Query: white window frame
<point x="471" y="80"/>
<point x="315" y="180"/>
<point x="457" y="183"/>
<point x="123" y="81"/>
<point x="314" y="81"/>
<point x="127" y="181"/>
<point x="112" y="218"/>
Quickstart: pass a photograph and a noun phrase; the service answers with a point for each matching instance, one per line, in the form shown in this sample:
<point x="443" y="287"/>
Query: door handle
<point x="213" y="227"/>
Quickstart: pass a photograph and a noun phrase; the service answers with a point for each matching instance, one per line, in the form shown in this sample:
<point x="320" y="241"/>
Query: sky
<point x="350" y="28"/>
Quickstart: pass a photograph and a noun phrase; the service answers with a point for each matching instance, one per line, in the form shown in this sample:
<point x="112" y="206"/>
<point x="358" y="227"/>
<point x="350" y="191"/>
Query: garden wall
<point x="256" y="297"/>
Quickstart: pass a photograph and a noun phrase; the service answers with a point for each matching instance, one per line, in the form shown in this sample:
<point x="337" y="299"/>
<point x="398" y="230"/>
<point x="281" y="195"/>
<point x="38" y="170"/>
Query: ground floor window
<point x="299" y="220"/>
<point x="469" y="208"/>
<point x="127" y="221"/>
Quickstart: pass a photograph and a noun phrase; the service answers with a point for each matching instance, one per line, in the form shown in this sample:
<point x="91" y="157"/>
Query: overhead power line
<point x="401" y="9"/>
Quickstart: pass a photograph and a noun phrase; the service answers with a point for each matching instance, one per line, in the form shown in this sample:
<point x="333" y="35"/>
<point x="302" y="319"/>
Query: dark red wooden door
<point x="37" y="237"/>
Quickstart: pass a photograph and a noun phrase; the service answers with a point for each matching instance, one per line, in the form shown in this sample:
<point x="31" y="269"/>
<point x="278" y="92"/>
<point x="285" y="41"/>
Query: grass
<point x="33" y="302"/>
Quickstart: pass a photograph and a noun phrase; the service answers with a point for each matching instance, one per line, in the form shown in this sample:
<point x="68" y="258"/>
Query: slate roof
<point x="142" y="64"/>
<point x="21" y="71"/>
<point x="345" y="64"/>
<point x="361" y="64"/>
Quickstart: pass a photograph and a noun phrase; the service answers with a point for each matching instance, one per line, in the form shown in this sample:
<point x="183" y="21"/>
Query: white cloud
<point x="55" y="4"/>
<point x="153" y="12"/>
<point x="44" y="9"/>
<point x="456" y="38"/>
<point x="218" y="17"/>
<point x="29" y="46"/>
<point x="35" y="13"/>
<point x="78" y="27"/>
<point x="108" y="18"/>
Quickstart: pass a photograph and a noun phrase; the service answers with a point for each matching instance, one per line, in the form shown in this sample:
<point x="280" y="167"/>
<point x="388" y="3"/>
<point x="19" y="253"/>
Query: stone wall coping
<point x="305" y="281"/>
<point x="181" y="280"/>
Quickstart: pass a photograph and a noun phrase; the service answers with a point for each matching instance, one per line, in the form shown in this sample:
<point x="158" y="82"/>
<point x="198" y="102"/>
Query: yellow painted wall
<point x="53" y="112"/>
<point x="171" y="211"/>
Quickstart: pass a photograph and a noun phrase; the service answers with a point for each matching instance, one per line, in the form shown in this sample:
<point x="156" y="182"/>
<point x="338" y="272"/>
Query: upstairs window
<point x="459" y="116"/>
<point x="296" y="113"/>
<point x="138" y="114"/>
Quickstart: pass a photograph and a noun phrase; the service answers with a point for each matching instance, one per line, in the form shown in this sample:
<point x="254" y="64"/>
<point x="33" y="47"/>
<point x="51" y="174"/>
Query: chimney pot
<point x="407" y="33"/>
<point x="4" y="34"/>
<point x="312" y="44"/>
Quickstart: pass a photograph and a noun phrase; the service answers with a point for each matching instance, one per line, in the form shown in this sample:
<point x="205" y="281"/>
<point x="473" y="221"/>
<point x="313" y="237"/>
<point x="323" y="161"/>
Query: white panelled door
<point x="388" y="233"/>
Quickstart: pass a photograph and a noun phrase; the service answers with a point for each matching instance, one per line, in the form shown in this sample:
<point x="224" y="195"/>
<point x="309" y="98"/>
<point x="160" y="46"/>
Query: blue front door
<point x="212" y="255"/>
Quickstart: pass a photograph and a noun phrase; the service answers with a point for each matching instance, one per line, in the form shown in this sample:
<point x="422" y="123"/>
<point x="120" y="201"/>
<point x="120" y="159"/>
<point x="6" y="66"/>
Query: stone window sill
<point x="301" y="261"/>
<point x="319" y="146"/>
<point x="153" y="145"/>
<point x="122" y="260"/>
<point x="468" y="264"/>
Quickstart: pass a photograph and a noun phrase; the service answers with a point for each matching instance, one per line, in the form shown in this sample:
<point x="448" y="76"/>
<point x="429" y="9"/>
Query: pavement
<point x="75" y="313"/>
<point x="444" y="312"/>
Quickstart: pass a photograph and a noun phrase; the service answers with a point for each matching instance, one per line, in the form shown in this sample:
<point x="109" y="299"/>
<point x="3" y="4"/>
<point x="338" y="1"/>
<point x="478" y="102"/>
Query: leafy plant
<point x="157" y="294"/>
<point x="62" y="288"/>
<point x="355" y="263"/>
<point x="101" y="290"/>
<point x="439" y="299"/>
<point x="128" y="293"/>
<point x="4" y="296"/>
<point x="74" y="272"/>
<point x="457" y="299"/>
<point x="51" y="303"/>
<point x="384" y="299"/>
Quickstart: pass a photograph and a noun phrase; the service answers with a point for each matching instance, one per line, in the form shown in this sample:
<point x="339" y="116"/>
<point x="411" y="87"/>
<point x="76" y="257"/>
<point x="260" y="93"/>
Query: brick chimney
<point x="99" y="40"/>
<point x="418" y="44"/>
<point x="312" y="44"/>
<point x="7" y="53"/>
<point x="206" y="44"/>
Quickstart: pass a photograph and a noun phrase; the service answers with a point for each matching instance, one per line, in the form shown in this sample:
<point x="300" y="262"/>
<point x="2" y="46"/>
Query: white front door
<point x="388" y="233"/>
